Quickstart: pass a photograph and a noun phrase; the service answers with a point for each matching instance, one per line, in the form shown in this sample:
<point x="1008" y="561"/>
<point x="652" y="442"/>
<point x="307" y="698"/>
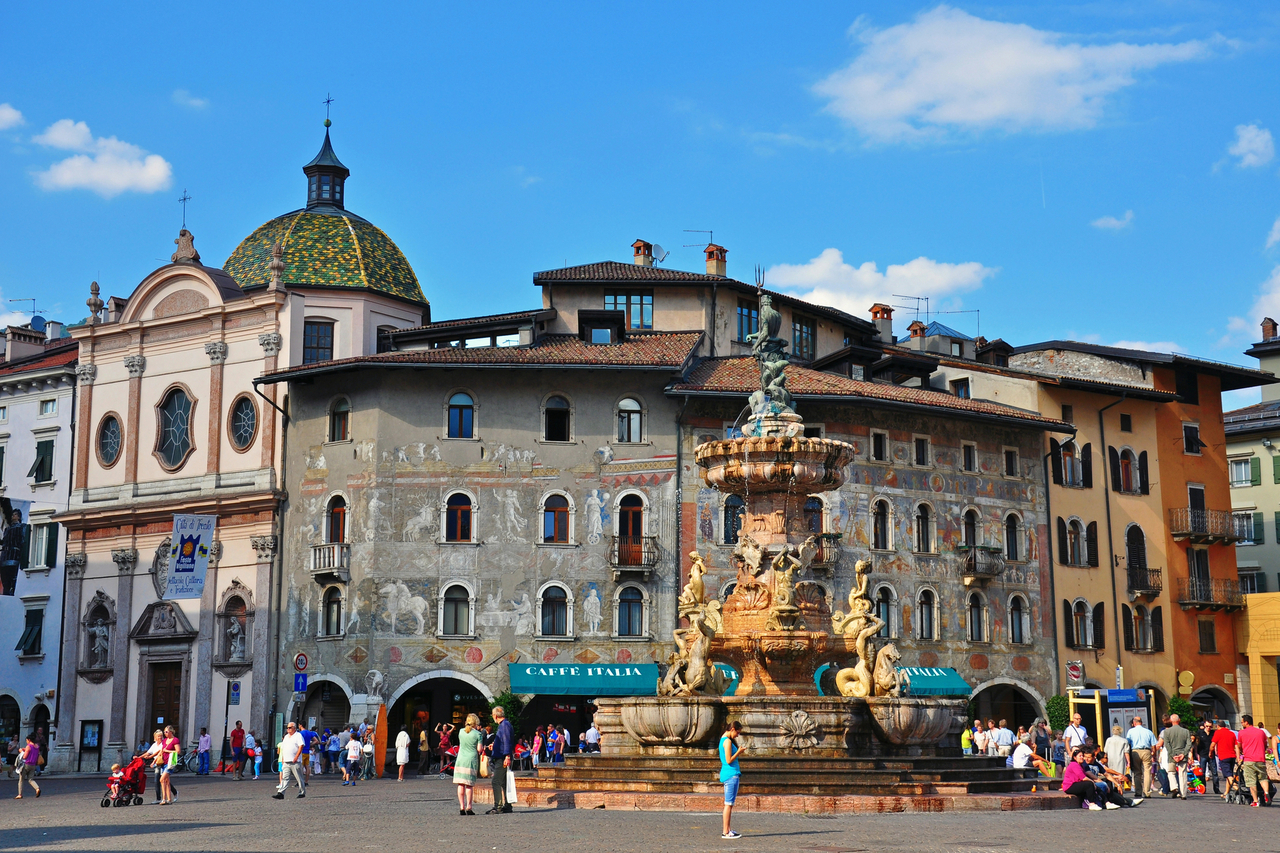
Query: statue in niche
<point x="100" y="636"/>
<point x="235" y="640"/>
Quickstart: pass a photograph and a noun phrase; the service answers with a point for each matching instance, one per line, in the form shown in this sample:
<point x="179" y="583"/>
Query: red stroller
<point x="132" y="786"/>
<point x="447" y="761"/>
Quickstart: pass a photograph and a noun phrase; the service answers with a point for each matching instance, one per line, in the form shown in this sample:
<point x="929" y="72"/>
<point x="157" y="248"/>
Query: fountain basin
<point x="673" y="721"/>
<point x="915" y="721"/>
<point x="774" y="463"/>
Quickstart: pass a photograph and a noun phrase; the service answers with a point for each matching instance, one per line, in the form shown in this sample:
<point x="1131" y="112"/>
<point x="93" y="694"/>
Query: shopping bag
<point x="511" y="786"/>
<point x="484" y="766"/>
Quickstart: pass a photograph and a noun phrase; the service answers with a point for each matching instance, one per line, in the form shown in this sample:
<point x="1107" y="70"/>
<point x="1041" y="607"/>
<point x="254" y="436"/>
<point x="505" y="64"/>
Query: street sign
<point x="300" y="682"/>
<point x="1119" y="678"/>
<point x="300" y="662"/>
<point x="1075" y="673"/>
<point x="234" y="697"/>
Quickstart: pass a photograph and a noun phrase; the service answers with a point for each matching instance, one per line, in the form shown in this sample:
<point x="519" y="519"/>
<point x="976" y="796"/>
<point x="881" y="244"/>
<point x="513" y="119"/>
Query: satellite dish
<point x="659" y="253"/>
<point x="37" y="323"/>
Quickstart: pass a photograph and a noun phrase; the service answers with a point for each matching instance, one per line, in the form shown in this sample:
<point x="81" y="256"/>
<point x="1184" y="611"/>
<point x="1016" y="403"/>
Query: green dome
<point x="326" y="247"/>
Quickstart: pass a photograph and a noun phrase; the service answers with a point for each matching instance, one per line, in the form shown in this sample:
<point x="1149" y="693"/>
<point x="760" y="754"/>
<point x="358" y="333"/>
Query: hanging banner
<point x="189" y="555"/>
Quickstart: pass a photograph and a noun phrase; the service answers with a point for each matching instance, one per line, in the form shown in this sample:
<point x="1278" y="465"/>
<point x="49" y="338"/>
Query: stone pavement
<point x="216" y="814"/>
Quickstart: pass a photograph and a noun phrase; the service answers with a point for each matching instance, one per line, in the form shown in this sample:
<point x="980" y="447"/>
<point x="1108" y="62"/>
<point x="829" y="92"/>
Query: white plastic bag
<point x="511" y="786"/>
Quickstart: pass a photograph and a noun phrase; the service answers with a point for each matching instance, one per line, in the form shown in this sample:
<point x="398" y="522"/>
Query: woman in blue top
<point x="730" y="775"/>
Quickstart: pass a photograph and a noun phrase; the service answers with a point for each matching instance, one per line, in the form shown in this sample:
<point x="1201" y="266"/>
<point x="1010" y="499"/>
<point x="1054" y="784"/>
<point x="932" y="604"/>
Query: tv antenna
<point x="711" y="238"/>
<point x="659" y="254"/>
<point x="918" y="300"/>
<point x="182" y="200"/>
<point x="34" y="309"/>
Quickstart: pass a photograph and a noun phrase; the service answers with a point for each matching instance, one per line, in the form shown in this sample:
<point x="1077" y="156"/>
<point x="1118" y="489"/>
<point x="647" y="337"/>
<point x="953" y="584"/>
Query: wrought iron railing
<point x="639" y="552"/>
<point x="980" y="561"/>
<point x="1145" y="581"/>
<point x="1208" y="524"/>
<point x="1209" y="592"/>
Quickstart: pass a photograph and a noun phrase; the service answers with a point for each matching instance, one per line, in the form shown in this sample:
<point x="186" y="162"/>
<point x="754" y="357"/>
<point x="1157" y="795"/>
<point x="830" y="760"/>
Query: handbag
<point x="1273" y="772"/>
<point x="484" y="766"/>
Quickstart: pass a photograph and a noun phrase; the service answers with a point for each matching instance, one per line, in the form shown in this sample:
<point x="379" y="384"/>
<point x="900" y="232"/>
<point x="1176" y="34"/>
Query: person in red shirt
<point x="1223" y="749"/>
<point x="1251" y="748"/>
<point x="237" y="750"/>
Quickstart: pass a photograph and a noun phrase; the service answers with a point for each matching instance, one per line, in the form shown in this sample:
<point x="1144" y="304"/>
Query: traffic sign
<point x="234" y="697"/>
<point x="300" y="662"/>
<point x="300" y="682"/>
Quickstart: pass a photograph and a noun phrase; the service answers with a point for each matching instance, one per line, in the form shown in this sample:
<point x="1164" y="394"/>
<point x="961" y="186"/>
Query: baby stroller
<point x="132" y="786"/>
<point x="447" y="761"/>
<point x="1237" y="792"/>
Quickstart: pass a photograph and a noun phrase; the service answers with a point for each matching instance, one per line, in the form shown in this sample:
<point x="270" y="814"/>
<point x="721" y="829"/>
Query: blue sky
<point x="1100" y="171"/>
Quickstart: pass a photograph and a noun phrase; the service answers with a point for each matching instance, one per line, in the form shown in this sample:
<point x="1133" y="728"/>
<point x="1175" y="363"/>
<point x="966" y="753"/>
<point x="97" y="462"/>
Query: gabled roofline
<point x="1237" y="376"/>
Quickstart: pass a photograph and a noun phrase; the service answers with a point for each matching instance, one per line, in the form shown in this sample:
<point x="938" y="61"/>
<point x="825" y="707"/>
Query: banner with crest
<point x="189" y="555"/>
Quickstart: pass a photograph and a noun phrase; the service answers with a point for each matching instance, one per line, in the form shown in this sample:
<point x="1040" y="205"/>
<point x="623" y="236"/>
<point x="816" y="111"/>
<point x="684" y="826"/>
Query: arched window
<point x="1075" y="543"/>
<point x="971" y="528"/>
<point x="977" y="619"/>
<point x="1071" y="473"/>
<point x="109" y="440"/>
<point x="1012" y="537"/>
<point x="630" y="421"/>
<point x="880" y="526"/>
<point x="336" y="528"/>
<point x="813" y="515"/>
<point x="1017" y="612"/>
<point x="456" y="618"/>
<point x="1080" y="624"/>
<point x="924" y="529"/>
<point x="555" y="612"/>
<point x="462" y="411"/>
<point x="173" y="441"/>
<point x="556" y="424"/>
<point x="1135" y="546"/>
<point x="1128" y="471"/>
<point x="925" y="613"/>
<point x="340" y="420"/>
<point x="555" y="520"/>
<point x="457" y="519"/>
<point x="630" y="612"/>
<point x="331" y="622"/>
<point x="243" y="423"/>
<point x="884" y="611"/>
<point x="734" y="510"/>
<point x="631" y="531"/>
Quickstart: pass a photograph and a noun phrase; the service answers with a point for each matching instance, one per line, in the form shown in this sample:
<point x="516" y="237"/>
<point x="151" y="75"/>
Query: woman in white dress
<point x="402" y="750"/>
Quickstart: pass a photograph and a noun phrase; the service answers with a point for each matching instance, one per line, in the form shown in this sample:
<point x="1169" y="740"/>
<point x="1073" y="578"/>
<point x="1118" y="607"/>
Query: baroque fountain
<point x="775" y="630"/>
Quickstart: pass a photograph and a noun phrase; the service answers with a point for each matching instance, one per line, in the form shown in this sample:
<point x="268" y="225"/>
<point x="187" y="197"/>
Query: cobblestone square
<point x="214" y="814"/>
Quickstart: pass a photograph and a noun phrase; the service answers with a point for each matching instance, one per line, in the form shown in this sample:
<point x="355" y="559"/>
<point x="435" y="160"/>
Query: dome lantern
<point x="326" y="176"/>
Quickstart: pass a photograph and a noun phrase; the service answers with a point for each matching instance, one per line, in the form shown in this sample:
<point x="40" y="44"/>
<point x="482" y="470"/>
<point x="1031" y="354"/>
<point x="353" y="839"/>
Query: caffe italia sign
<point x="636" y="679"/>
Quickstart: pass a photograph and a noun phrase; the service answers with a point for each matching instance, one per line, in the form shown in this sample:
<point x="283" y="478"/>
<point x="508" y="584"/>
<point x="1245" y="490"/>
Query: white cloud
<point x="9" y="117"/>
<point x="828" y="280"/>
<point x="1150" y="346"/>
<point x="183" y="98"/>
<point x="1274" y="236"/>
<point x="1253" y="146"/>
<point x="1113" y="224"/>
<point x="105" y="165"/>
<point x="949" y="71"/>
<point x="1266" y="304"/>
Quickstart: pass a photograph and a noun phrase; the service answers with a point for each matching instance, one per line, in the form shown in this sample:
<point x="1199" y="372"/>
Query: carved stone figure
<point x="888" y="681"/>
<point x="160" y="566"/>
<point x="591" y="610"/>
<point x="100" y="634"/>
<point x="235" y="640"/>
<point x="690" y="669"/>
<point x="162" y="618"/>
<point x="401" y="600"/>
<point x="862" y="624"/>
<point x="784" y="615"/>
<point x="373" y="682"/>
<point x="695" y="591"/>
<point x="186" y="252"/>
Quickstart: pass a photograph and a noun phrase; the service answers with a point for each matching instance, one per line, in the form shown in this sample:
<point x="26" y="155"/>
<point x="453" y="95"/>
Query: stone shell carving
<point x="908" y="721"/>
<point x="686" y="721"/>
<point x="799" y="731"/>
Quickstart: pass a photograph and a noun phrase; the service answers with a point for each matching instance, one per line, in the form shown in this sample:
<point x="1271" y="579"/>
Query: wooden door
<point x="630" y="532"/>
<point x="166" y="695"/>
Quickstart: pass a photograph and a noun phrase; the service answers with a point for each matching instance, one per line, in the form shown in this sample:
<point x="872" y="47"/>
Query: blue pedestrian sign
<point x="233" y="698"/>
<point x="299" y="682"/>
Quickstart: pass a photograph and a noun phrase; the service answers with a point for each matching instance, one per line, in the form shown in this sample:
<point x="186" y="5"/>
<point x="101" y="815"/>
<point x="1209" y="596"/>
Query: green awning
<point x="932" y="681"/>
<point x="596" y="679"/>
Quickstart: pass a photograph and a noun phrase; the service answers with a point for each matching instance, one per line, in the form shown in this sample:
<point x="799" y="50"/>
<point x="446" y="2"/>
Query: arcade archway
<point x="1015" y="703"/>
<point x="424" y="704"/>
<point x="1214" y="703"/>
<point x="327" y="704"/>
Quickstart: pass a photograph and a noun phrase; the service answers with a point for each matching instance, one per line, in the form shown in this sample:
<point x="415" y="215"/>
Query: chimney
<point x="115" y="308"/>
<point x="21" y="342"/>
<point x="882" y="316"/>
<point x="1268" y="329"/>
<point x="52" y="330"/>
<point x="716" y="263"/>
<point x="917" y="330"/>
<point x="644" y="253"/>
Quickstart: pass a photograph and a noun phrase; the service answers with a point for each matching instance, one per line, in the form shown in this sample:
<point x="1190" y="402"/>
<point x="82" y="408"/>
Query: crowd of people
<point x="1173" y="762"/>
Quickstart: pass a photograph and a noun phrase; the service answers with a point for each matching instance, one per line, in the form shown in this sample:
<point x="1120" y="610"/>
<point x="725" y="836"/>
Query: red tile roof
<point x="514" y="317"/>
<point x="741" y="376"/>
<point x="55" y="358"/>
<point x="671" y="350"/>
<point x="618" y="271"/>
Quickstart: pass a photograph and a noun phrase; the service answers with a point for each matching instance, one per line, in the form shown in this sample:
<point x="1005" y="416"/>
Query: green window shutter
<point x="1278" y="527"/>
<point x="2" y="466"/>
<point x="1262" y="581"/>
<point x="1259" y="528"/>
<point x="1275" y="467"/>
<point x="51" y="547"/>
<point x="1255" y="471"/>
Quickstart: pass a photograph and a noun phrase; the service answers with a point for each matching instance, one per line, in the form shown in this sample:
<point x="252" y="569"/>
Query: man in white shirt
<point x="292" y="750"/>
<point x="593" y="738"/>
<point x="1074" y="734"/>
<point x="202" y="750"/>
